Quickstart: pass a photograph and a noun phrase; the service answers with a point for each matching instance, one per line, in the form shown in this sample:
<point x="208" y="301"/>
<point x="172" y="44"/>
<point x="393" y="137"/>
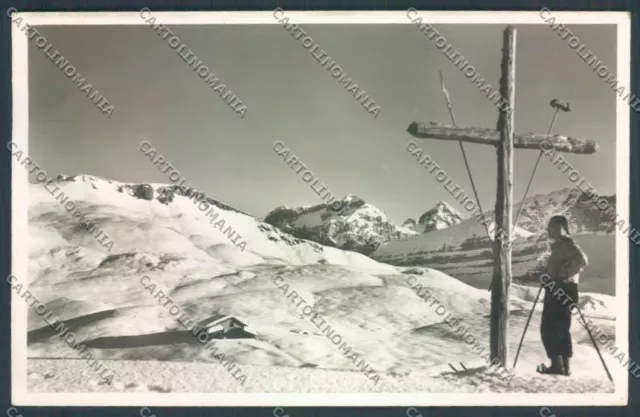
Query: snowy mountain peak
<point x="440" y="216"/>
<point x="352" y="198"/>
<point x="444" y="206"/>
<point x="357" y="225"/>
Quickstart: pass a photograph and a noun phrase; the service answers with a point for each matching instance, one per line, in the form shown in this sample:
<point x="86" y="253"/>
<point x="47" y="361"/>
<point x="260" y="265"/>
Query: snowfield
<point x="370" y="304"/>
<point x="51" y="375"/>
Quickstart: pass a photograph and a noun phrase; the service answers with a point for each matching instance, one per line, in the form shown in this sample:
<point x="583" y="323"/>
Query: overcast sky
<point x="293" y="99"/>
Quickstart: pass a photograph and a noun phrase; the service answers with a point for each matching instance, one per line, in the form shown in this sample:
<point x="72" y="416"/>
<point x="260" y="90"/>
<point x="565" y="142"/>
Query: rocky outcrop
<point x="143" y="191"/>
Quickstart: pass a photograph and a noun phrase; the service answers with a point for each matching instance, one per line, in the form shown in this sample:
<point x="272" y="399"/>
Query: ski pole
<point x="526" y="326"/>
<point x="594" y="343"/>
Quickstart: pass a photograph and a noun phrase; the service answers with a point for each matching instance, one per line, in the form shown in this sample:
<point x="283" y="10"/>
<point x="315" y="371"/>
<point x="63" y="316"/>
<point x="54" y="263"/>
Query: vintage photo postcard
<point x="281" y="208"/>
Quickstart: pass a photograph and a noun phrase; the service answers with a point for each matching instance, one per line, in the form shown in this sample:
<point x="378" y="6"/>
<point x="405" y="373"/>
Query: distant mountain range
<point x="358" y="226"/>
<point x="583" y="215"/>
<point x="364" y="228"/>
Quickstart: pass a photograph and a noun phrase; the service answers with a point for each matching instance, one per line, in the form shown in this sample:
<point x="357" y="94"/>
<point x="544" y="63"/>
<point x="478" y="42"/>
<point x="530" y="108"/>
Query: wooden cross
<point x="505" y="141"/>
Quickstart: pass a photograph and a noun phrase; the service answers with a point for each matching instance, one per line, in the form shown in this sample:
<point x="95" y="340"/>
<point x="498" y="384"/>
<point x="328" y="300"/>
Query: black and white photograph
<point x="292" y="208"/>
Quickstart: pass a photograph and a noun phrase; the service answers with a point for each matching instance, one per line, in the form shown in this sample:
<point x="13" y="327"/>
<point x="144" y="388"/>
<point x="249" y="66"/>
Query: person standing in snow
<point x="563" y="267"/>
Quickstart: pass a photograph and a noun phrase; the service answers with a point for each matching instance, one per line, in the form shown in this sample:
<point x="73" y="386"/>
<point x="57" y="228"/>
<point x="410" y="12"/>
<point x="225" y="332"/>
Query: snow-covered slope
<point x="441" y="216"/>
<point x="357" y="226"/>
<point x="160" y="233"/>
<point x="170" y="222"/>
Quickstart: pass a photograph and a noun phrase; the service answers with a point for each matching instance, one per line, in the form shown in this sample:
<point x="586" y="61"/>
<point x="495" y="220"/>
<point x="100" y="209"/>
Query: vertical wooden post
<point x="504" y="205"/>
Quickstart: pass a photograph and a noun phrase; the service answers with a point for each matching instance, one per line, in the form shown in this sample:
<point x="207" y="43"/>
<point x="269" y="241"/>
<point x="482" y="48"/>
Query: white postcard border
<point x="20" y="241"/>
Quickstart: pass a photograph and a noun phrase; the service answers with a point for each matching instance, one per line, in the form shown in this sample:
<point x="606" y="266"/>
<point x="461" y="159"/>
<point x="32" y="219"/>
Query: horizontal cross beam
<point x="492" y="137"/>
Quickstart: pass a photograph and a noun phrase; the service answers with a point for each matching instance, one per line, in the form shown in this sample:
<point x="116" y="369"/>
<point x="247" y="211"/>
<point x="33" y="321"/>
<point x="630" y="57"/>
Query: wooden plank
<point x="504" y="205"/>
<point x="480" y="135"/>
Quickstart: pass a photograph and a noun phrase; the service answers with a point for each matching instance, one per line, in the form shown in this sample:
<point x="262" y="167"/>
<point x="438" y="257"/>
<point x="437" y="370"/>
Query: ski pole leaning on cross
<point x="557" y="105"/>
<point x="445" y="92"/>
<point x="447" y="97"/>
